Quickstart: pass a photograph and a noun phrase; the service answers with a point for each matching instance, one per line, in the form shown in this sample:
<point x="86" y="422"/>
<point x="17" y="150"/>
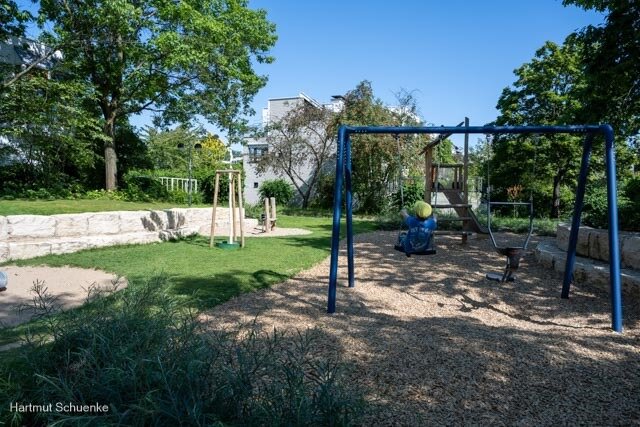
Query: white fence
<point x="179" y="184"/>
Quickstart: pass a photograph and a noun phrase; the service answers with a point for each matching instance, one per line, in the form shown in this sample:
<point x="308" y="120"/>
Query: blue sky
<point x="457" y="55"/>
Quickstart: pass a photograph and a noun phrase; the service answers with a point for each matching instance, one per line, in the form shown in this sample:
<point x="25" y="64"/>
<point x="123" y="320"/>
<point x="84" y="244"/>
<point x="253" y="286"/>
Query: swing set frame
<point x="343" y="178"/>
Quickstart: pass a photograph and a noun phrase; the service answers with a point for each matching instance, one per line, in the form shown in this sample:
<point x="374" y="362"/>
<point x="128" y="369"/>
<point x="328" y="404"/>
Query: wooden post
<point x="232" y="211"/>
<point x="240" y="210"/>
<point x="428" y="165"/>
<point x="215" y="207"/>
<point x="274" y="217"/>
<point x="267" y="219"/>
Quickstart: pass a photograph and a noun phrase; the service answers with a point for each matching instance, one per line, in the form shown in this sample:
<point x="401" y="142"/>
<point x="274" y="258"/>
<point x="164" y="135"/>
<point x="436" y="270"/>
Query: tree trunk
<point x="555" y="198"/>
<point x="110" y="156"/>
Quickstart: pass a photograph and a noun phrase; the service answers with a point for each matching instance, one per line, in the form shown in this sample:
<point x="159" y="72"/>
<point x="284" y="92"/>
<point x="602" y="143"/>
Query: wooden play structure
<point x="455" y="189"/>
<point x="236" y="222"/>
<point x="269" y="216"/>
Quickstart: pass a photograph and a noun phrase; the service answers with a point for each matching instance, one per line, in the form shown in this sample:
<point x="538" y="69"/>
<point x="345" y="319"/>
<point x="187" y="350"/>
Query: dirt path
<point x="67" y="287"/>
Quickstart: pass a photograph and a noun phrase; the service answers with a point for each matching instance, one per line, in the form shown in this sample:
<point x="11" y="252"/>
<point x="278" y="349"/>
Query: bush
<point x="323" y="197"/>
<point x="596" y="212"/>
<point x="144" y="188"/>
<point x="154" y="363"/>
<point x="410" y="194"/>
<point x="278" y="188"/>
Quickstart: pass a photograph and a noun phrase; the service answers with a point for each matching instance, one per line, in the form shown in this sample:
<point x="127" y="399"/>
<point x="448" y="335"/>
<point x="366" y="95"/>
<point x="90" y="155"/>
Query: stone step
<point x="586" y="270"/>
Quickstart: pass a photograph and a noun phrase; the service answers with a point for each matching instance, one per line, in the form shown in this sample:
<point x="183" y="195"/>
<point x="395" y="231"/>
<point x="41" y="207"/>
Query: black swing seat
<point x="514" y="255"/>
<point x="430" y="251"/>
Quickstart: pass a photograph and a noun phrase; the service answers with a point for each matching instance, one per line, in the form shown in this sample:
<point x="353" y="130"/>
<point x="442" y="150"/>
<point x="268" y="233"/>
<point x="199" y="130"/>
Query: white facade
<point x="276" y="109"/>
<point x="21" y="52"/>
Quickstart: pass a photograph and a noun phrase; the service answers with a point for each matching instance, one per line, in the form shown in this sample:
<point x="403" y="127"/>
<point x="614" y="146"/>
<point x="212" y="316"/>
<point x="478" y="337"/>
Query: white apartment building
<point x="276" y="109"/>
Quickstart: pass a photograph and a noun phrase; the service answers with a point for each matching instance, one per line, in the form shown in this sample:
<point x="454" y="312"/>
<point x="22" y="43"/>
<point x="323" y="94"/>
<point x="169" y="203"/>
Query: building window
<point x="256" y="152"/>
<point x="255" y="185"/>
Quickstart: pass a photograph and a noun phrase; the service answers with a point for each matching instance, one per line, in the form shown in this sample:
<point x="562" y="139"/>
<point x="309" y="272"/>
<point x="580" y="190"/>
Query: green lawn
<point x="52" y="207"/>
<point x="203" y="277"/>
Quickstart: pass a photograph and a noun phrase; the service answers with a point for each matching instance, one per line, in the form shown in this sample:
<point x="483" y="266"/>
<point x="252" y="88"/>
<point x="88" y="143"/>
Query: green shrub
<point x="632" y="189"/>
<point x="278" y="188"/>
<point x="596" y="211"/>
<point x="323" y="197"/>
<point x="144" y="188"/>
<point x="154" y="363"/>
<point x="410" y="194"/>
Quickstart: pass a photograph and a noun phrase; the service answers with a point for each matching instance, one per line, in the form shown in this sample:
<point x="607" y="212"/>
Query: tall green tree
<point x="612" y="65"/>
<point x="375" y="158"/>
<point x="51" y="137"/>
<point x="177" y="59"/>
<point x="548" y="91"/>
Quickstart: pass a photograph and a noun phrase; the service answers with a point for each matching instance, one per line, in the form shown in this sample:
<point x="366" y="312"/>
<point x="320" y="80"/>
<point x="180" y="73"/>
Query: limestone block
<point x="133" y="221"/>
<point x="4" y="251"/>
<point x="68" y="245"/>
<point x="631" y="282"/>
<point x="198" y="216"/>
<point x="599" y="273"/>
<point x="157" y="220"/>
<point x="30" y="226"/>
<point x="139" y="238"/>
<point x="631" y="251"/>
<point x="71" y="225"/>
<point x="175" y="218"/>
<point x="205" y="230"/>
<point x="3" y="228"/>
<point x="24" y="250"/>
<point x="584" y="236"/>
<point x="99" y="241"/>
<point x="544" y="256"/>
<point x="562" y="236"/>
<point x="176" y="234"/>
<point x="103" y="223"/>
<point x="563" y="232"/>
<point x="599" y="245"/>
<point x="222" y="214"/>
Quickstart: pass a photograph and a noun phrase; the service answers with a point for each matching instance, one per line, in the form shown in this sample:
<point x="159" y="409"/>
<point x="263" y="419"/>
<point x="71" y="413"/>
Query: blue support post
<point x="349" y="203"/>
<point x="614" y="246"/>
<point x="335" y="236"/>
<point x="577" y="212"/>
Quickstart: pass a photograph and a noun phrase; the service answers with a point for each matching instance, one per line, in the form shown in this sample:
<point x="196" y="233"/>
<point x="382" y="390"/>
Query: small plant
<point x="410" y="194"/>
<point x="278" y="188"/>
<point x="152" y="362"/>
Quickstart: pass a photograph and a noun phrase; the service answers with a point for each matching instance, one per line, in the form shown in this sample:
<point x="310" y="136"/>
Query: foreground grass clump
<point x="148" y="358"/>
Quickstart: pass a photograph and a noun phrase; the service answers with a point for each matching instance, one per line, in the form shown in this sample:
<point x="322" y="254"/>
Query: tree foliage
<point x="13" y="20"/>
<point x="612" y="61"/>
<point x="378" y="159"/>
<point x="51" y="137"/>
<point x="548" y="91"/>
<point x="177" y="59"/>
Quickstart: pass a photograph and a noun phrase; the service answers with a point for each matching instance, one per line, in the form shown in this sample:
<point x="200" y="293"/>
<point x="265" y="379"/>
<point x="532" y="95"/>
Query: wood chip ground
<point x="432" y="342"/>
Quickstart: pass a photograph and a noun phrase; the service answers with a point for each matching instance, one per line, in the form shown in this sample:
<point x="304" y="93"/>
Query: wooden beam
<point x="439" y="139"/>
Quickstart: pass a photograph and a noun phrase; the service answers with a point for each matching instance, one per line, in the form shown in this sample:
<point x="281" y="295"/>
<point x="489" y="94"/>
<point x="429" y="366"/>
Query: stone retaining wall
<point x="591" y="264"/>
<point x="28" y="236"/>
<point x="594" y="243"/>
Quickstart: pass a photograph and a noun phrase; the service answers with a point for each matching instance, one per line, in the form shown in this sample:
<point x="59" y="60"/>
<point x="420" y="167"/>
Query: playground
<point x="433" y="342"/>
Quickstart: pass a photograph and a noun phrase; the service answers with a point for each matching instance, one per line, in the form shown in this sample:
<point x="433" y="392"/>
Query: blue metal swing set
<point x="343" y="178"/>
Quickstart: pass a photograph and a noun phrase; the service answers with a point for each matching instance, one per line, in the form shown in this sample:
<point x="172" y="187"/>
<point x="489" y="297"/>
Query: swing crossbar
<point x="343" y="181"/>
<point x="511" y="203"/>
